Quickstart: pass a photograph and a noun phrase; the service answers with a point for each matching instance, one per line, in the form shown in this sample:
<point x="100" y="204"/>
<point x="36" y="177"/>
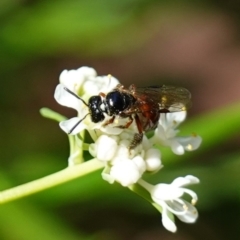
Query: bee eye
<point x="94" y="108"/>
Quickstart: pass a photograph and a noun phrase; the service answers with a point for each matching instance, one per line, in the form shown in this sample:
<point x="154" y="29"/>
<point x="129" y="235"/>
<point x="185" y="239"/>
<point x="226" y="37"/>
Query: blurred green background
<point x="194" y="44"/>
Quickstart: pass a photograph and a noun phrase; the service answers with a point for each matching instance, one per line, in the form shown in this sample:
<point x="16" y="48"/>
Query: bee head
<point x="94" y="105"/>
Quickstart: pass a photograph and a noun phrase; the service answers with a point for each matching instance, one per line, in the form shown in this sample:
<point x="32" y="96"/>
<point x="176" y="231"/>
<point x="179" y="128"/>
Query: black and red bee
<point x="144" y="105"/>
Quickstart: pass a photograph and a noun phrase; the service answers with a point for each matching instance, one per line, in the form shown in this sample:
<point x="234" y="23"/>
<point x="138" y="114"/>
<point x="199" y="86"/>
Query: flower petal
<point x="183" y="181"/>
<point x="138" y="160"/>
<point x="190" y="143"/>
<point x="100" y="84"/>
<point x="126" y="172"/>
<point x="109" y="129"/>
<point x="106" y="148"/>
<point x="68" y="125"/>
<point x="175" y="118"/>
<point x="153" y="161"/>
<point x="191" y="214"/>
<point x="167" y="222"/>
<point x="165" y="192"/>
<point x="87" y="72"/>
<point x="67" y="99"/>
<point x="73" y="79"/>
<point x="176" y="147"/>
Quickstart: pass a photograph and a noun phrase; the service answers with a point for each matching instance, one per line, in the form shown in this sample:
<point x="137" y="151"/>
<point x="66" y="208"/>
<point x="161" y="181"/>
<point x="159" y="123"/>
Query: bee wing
<point x="174" y="99"/>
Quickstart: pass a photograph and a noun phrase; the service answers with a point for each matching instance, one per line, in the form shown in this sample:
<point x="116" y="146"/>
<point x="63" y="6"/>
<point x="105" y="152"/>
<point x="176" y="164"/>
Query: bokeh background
<point x="194" y="44"/>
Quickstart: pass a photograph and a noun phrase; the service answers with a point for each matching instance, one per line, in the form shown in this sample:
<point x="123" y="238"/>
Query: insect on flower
<point x="142" y="104"/>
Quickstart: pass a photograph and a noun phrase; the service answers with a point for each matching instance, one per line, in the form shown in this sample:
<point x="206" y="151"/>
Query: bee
<point x="143" y="105"/>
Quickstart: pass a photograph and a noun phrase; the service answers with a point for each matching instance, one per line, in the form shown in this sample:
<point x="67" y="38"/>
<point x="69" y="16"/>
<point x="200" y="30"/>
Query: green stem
<point x="49" y="181"/>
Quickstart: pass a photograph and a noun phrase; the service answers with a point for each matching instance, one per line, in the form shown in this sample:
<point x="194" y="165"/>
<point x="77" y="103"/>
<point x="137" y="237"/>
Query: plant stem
<point x="49" y="181"/>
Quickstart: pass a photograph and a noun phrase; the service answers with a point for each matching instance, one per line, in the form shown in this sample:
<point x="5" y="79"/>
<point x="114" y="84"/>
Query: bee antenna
<point x="71" y="130"/>
<point x="75" y="95"/>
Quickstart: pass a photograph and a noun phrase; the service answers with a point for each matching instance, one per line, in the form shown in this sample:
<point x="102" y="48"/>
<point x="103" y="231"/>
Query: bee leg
<point x="137" y="139"/>
<point x="109" y="121"/>
<point x="127" y="124"/>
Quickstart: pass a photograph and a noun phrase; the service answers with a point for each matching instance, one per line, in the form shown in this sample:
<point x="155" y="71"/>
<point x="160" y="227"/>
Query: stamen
<point x="185" y="207"/>
<point x="189" y="147"/>
<point x="194" y="134"/>
<point x="194" y="201"/>
<point x="109" y="79"/>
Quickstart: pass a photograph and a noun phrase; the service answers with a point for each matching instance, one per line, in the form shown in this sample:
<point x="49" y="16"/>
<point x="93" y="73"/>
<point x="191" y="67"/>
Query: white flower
<point x="168" y="196"/>
<point x="85" y="81"/>
<point x="74" y="79"/>
<point x="122" y="165"/>
<point x="165" y="134"/>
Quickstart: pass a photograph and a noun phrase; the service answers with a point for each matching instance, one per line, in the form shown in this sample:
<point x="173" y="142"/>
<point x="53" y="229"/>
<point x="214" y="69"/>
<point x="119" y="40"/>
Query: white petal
<point x="106" y="148"/>
<point x="190" y="143"/>
<point x="175" y="118"/>
<point x="125" y="172"/>
<point x="176" y="147"/>
<point x="111" y="130"/>
<point x="160" y="132"/>
<point x="107" y="83"/>
<point x="68" y="125"/>
<point x="91" y="87"/>
<point x="146" y="143"/>
<point x="87" y="72"/>
<point x="167" y="221"/>
<point x="159" y="136"/>
<point x="165" y="192"/>
<point x="192" y="179"/>
<point x="183" y="181"/>
<point x="67" y="99"/>
<point x="122" y="152"/>
<point x="171" y="133"/>
<point x="138" y="160"/>
<point x="163" y="121"/>
<point x="71" y="79"/>
<point x="153" y="161"/>
<point x="191" y="214"/>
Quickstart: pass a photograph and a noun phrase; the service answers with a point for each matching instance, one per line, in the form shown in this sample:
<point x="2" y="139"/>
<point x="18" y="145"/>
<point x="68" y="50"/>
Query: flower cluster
<point x="111" y="144"/>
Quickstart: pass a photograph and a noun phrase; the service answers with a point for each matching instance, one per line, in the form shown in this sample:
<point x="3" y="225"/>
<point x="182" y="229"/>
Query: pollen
<point x="189" y="147"/>
<point x="185" y="207"/>
<point x="164" y="99"/>
<point x="194" y="201"/>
